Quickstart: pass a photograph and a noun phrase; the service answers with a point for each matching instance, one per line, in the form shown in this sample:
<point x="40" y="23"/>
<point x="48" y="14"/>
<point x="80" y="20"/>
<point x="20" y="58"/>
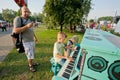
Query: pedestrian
<point x="27" y="33"/>
<point x="98" y="26"/>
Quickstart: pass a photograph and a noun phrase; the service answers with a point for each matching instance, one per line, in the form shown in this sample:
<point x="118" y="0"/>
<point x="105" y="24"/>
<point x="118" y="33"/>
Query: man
<point x="27" y="35"/>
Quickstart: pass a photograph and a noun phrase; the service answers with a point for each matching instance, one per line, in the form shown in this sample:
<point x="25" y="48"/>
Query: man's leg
<point x="30" y="62"/>
<point x="30" y="65"/>
<point x="29" y="51"/>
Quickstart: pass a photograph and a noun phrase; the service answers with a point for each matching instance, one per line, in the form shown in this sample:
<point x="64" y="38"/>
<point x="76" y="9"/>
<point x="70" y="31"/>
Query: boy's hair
<point x="61" y="35"/>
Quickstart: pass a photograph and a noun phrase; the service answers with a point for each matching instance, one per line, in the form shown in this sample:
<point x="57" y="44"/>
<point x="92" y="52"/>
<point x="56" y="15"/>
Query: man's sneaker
<point x="35" y="64"/>
<point x="32" y="69"/>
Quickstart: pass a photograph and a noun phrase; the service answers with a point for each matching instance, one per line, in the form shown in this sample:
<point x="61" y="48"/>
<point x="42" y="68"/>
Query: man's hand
<point x="29" y="25"/>
<point x="35" y="38"/>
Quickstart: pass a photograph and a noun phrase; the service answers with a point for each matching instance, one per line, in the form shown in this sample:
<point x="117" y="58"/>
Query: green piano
<point x="97" y="58"/>
<point x="101" y="52"/>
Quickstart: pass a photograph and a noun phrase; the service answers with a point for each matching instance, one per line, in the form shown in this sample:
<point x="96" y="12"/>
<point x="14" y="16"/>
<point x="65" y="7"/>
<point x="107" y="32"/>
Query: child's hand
<point x="70" y="58"/>
<point x="74" y="49"/>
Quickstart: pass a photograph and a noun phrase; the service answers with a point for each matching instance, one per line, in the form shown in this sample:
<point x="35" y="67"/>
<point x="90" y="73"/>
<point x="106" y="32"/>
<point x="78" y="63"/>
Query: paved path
<point x="6" y="44"/>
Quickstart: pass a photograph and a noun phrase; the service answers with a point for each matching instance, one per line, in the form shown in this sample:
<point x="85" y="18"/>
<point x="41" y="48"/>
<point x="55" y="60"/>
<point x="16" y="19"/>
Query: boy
<point x="58" y="52"/>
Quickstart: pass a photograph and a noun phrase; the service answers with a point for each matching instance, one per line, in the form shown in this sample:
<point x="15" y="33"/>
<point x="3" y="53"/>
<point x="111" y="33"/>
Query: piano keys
<point x="68" y="71"/>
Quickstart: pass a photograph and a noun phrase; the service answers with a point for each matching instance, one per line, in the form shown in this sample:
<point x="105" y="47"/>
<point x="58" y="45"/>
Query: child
<point x="58" y="52"/>
<point x="71" y="42"/>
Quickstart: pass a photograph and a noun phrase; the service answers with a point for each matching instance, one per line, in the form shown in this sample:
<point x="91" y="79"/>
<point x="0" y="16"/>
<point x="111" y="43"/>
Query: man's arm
<point x="23" y="28"/>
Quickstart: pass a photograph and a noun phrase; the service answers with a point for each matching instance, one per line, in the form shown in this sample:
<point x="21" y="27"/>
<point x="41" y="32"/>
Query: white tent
<point x="117" y="28"/>
<point x="2" y="21"/>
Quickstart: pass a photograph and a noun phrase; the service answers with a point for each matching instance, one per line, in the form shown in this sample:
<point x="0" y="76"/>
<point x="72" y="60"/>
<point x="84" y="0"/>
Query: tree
<point x="108" y="18"/>
<point x="8" y="14"/>
<point x="18" y="13"/>
<point x="87" y="7"/>
<point x="1" y="18"/>
<point x="37" y="17"/>
<point x="91" y="20"/>
<point x="60" y="12"/>
<point x="54" y="12"/>
<point x="76" y="10"/>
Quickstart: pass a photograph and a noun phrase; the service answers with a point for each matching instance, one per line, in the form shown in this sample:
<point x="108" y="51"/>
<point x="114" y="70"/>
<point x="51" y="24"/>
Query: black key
<point x="69" y="71"/>
<point x="79" y="62"/>
<point x="76" y="52"/>
<point x="78" y="48"/>
<point x="74" y="55"/>
<point x="69" y="67"/>
<point x="71" y="64"/>
<point x="66" y="75"/>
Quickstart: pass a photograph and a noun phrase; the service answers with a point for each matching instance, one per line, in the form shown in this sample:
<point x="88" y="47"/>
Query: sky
<point x="33" y="5"/>
<point x="99" y="7"/>
<point x="104" y="8"/>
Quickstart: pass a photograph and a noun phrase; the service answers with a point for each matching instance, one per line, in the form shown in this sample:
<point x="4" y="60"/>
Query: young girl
<point x="70" y="45"/>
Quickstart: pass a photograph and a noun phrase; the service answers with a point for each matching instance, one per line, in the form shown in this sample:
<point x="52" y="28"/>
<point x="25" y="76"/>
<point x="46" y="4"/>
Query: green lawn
<point x="15" y="66"/>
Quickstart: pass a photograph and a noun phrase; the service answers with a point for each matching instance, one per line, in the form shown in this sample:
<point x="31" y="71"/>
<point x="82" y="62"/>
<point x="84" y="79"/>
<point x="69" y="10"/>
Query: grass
<point x="15" y="66"/>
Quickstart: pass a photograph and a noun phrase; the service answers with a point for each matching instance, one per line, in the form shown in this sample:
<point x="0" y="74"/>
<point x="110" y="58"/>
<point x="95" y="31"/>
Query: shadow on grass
<point x="12" y="70"/>
<point x="20" y="71"/>
<point x="15" y="66"/>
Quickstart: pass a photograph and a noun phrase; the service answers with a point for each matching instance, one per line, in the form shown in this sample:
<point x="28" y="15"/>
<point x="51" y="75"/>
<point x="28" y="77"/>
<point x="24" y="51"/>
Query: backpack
<point x="17" y="40"/>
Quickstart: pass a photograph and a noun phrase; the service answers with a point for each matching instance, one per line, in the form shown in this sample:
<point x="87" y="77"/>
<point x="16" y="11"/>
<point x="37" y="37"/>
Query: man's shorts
<point x="29" y="49"/>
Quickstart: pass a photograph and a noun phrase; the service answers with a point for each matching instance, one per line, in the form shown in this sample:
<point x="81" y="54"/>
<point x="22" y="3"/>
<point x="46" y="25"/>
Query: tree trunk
<point x="61" y="27"/>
